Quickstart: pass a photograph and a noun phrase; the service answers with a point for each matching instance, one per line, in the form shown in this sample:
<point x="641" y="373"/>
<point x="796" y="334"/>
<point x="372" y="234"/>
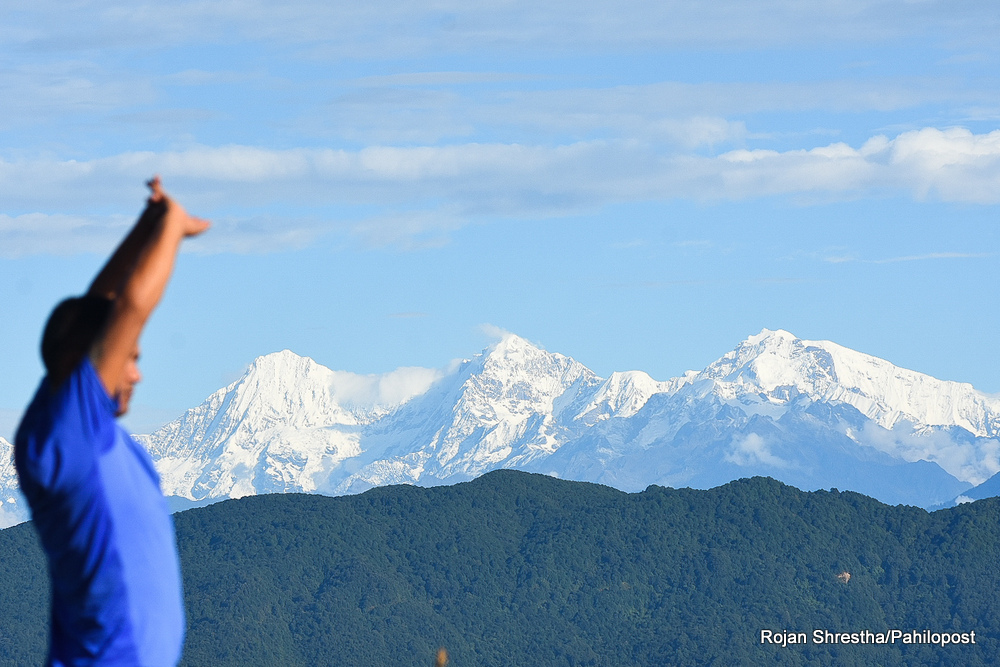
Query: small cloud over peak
<point x="766" y="334"/>
<point x="506" y="341"/>
<point x="495" y="332"/>
<point x="350" y="390"/>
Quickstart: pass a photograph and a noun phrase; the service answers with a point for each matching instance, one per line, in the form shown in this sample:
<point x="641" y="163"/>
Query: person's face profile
<point x="131" y="377"/>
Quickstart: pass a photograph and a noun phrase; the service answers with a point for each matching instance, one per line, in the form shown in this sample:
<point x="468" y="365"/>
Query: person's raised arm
<point x="135" y="277"/>
<point x="120" y="265"/>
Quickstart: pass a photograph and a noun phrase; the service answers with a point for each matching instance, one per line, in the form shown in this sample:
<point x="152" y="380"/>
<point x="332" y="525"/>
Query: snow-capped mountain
<point x="909" y="416"/>
<point x="809" y="413"/>
<point x="776" y="364"/>
<point x="13" y="507"/>
<point x="281" y="427"/>
<point x="507" y="407"/>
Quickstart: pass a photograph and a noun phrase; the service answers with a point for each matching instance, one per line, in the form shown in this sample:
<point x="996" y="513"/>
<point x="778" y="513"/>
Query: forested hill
<point x="520" y="569"/>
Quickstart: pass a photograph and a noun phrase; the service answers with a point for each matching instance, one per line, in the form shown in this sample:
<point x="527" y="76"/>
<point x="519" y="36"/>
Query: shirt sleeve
<point x="69" y="429"/>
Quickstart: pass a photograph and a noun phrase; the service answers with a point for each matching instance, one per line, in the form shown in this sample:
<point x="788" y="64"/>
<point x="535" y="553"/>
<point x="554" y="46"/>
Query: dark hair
<point x="73" y="328"/>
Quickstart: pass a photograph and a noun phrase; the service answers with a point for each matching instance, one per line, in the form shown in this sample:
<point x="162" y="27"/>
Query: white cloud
<point x="753" y="450"/>
<point x="408" y="230"/>
<point x="678" y="113"/>
<point x="494" y="332"/>
<point x="36" y="233"/>
<point x="36" y="92"/>
<point x="912" y="258"/>
<point x="441" y="78"/>
<point x="951" y="165"/>
<point x="420" y="194"/>
<point x="201" y="77"/>
<point x="682" y="99"/>
<point x="970" y="460"/>
<point x="259" y="235"/>
<point x="415" y="106"/>
<point x="408" y="27"/>
<point x="955" y="163"/>
<point x="383" y="391"/>
<point x="59" y="234"/>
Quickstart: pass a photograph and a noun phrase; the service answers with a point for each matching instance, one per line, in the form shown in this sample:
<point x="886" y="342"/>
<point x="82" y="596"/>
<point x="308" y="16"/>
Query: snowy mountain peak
<point x="283" y="387"/>
<point x="770" y="336"/>
<point x="528" y="370"/>
<point x="342" y="397"/>
<point x="278" y="359"/>
<point x="775" y="358"/>
<point x="779" y="366"/>
<point x="501" y="409"/>
<point x="512" y="349"/>
<point x="622" y="395"/>
<point x="281" y="364"/>
<point x="812" y="413"/>
<point x="511" y="341"/>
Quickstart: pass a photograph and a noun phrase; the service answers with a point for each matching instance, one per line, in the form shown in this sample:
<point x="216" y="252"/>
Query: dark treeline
<point x="519" y="569"/>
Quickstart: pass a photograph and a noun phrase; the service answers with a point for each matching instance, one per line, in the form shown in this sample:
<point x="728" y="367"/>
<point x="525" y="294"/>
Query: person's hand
<point x="175" y="214"/>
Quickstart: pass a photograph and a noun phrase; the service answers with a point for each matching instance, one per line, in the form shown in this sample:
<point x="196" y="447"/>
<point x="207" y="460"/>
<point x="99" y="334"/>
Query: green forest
<point x="521" y="569"/>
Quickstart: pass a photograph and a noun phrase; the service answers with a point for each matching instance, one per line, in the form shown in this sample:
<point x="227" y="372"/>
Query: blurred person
<point x="94" y="494"/>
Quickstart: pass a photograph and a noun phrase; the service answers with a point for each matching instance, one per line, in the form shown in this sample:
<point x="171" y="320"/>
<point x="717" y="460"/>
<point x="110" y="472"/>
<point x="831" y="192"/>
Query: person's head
<point x="73" y="328"/>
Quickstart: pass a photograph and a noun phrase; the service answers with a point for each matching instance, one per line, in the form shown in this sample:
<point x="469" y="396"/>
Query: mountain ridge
<point x="520" y="569"/>
<point x="859" y="376"/>
<point x="811" y="413"/>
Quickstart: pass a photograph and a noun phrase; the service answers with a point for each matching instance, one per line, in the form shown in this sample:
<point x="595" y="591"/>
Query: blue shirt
<point x="105" y="527"/>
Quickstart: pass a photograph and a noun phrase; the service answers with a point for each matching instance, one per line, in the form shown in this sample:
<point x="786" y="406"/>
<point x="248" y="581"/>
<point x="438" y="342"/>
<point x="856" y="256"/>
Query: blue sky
<point x="638" y="185"/>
